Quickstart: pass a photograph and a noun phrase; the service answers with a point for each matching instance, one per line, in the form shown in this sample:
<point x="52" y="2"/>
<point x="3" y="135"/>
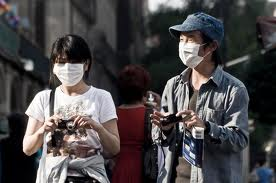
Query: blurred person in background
<point x="213" y="99"/>
<point x="77" y="155"/>
<point x="261" y="172"/>
<point x="4" y="134"/>
<point x="133" y="82"/>
<point x="13" y="159"/>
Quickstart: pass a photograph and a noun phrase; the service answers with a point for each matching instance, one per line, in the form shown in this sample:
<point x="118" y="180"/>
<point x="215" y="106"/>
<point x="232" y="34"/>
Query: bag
<point x="192" y="149"/>
<point x="150" y="166"/>
<point x="150" y="151"/>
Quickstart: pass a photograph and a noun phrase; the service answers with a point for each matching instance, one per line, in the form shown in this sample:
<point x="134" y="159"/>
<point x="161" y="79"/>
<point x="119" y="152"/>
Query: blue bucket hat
<point x="208" y="25"/>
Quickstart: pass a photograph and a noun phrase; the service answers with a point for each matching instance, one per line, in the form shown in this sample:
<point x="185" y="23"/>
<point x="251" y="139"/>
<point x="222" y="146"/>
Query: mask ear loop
<point x="206" y="53"/>
<point x="203" y="44"/>
<point x="209" y="51"/>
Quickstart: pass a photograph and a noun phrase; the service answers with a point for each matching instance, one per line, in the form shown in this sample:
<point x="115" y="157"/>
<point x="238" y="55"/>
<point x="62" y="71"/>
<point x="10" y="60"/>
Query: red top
<point x="128" y="166"/>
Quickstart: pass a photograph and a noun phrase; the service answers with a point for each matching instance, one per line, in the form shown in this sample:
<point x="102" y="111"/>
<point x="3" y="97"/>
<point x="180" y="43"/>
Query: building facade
<point x="112" y="28"/>
<point x="18" y="84"/>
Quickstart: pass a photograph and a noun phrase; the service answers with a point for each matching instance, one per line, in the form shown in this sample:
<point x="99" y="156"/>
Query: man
<point x="264" y="173"/>
<point x="213" y="100"/>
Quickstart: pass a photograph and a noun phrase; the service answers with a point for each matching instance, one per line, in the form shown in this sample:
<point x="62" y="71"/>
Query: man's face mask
<point x="69" y="74"/>
<point x="188" y="53"/>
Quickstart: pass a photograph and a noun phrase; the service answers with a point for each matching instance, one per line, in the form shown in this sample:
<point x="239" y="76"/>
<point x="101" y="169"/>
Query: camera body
<point x="66" y="127"/>
<point x="170" y="119"/>
<point x="66" y="124"/>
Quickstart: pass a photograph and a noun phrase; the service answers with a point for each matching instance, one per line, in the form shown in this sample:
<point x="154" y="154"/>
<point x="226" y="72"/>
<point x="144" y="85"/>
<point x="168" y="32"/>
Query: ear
<point x="86" y="64"/>
<point x="214" y="45"/>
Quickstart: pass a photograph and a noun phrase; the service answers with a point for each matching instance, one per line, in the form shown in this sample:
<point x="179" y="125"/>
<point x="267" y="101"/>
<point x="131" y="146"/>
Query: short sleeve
<point x="107" y="109"/>
<point x="36" y="108"/>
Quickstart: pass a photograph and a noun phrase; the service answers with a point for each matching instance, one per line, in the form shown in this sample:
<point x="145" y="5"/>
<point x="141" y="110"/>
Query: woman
<point x="133" y="83"/>
<point x="77" y="155"/>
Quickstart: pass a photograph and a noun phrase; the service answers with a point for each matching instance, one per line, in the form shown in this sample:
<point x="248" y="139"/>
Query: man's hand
<point x="156" y="119"/>
<point x="192" y="120"/>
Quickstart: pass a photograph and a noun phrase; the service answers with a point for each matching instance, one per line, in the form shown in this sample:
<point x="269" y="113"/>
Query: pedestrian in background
<point x="133" y="82"/>
<point x="213" y="99"/>
<point x="13" y="159"/>
<point x="261" y="173"/>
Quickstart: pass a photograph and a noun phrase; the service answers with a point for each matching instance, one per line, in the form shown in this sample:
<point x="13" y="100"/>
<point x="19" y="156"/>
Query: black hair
<point x="76" y="50"/>
<point x="261" y="158"/>
<point x="216" y="55"/>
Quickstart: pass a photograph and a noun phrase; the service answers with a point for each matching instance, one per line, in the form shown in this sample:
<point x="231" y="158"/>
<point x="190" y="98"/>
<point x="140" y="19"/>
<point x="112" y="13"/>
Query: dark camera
<point x="66" y="124"/>
<point x="172" y="118"/>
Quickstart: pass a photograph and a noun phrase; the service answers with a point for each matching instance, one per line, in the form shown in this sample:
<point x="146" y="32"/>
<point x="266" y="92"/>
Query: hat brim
<point x="176" y="30"/>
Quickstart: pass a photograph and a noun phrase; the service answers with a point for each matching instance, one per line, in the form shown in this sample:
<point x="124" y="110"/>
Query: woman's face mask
<point x="69" y="74"/>
<point x="188" y="53"/>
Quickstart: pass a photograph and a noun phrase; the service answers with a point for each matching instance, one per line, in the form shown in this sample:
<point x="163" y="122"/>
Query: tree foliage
<point x="261" y="85"/>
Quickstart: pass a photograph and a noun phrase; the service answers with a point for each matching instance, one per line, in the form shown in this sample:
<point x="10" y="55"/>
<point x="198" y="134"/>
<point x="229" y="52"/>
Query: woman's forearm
<point x="31" y="143"/>
<point x="109" y="141"/>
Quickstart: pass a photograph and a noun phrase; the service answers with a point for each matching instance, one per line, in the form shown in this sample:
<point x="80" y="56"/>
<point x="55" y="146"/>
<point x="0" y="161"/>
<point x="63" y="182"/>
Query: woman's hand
<point x="50" y="124"/>
<point x="107" y="131"/>
<point x="35" y="131"/>
<point x="87" y="122"/>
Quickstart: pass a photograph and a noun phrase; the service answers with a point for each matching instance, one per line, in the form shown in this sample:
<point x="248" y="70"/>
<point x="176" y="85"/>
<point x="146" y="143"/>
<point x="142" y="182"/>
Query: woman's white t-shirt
<point x="95" y="103"/>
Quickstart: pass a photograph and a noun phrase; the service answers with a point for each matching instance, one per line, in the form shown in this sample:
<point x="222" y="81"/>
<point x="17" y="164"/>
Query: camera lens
<point x="70" y="125"/>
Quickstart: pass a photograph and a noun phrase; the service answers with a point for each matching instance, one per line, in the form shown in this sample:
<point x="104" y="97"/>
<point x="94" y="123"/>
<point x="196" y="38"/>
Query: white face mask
<point x="188" y="53"/>
<point x="68" y="74"/>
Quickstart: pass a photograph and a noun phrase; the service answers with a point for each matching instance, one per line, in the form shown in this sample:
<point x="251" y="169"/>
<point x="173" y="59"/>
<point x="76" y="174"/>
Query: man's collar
<point x="185" y="75"/>
<point x="216" y="76"/>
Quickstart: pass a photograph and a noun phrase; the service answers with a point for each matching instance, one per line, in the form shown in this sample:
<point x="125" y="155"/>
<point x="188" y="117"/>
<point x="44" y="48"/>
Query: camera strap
<point x="150" y="154"/>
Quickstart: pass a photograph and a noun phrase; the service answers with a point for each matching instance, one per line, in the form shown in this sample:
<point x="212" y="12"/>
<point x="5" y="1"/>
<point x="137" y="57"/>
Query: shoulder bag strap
<point x="51" y="102"/>
<point x="51" y="112"/>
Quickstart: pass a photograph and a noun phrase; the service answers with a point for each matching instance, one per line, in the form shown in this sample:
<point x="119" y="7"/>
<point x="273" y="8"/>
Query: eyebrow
<point x="188" y="36"/>
<point x="62" y="60"/>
